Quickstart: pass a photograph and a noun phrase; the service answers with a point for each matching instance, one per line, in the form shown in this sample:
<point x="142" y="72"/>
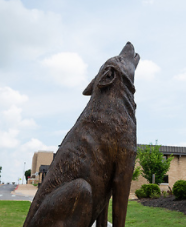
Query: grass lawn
<point x="142" y="216"/>
<point x="13" y="214"/>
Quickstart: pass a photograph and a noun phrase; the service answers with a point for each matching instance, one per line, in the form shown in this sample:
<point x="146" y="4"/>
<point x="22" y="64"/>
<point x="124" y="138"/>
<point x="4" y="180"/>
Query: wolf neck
<point x="112" y="106"/>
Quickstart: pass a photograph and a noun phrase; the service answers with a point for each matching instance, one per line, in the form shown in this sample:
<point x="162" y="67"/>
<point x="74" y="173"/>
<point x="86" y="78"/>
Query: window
<point x="165" y="179"/>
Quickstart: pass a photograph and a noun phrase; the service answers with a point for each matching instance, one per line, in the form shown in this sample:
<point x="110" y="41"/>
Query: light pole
<point x="23" y="172"/>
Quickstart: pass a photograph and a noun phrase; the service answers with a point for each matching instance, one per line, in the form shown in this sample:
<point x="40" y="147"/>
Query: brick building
<point x="40" y="163"/>
<point x="42" y="160"/>
<point x="176" y="172"/>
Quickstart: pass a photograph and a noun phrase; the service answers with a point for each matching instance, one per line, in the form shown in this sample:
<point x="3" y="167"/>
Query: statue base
<point x="108" y="224"/>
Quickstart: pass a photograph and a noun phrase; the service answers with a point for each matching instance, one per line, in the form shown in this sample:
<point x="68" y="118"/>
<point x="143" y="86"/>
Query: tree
<point x="136" y="173"/>
<point x="153" y="162"/>
<point x="27" y="173"/>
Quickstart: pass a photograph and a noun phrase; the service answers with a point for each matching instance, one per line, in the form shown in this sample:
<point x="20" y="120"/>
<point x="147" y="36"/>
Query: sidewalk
<point x="25" y="189"/>
<point x="132" y="196"/>
<point x="30" y="190"/>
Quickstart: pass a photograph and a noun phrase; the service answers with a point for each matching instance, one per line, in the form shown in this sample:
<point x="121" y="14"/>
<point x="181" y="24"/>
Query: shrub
<point x="140" y="193"/>
<point x="165" y="194"/>
<point x="150" y="189"/>
<point x="179" y="189"/>
<point x="155" y="195"/>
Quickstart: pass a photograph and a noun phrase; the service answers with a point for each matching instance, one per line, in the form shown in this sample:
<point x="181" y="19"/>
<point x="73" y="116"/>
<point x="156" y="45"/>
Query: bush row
<point x="153" y="190"/>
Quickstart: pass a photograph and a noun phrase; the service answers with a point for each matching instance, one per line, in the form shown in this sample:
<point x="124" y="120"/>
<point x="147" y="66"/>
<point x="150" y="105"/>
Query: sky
<point x="51" y="49"/>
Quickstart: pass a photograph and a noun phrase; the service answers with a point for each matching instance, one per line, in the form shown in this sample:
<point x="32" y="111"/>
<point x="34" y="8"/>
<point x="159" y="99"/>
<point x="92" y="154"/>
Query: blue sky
<point x="51" y="49"/>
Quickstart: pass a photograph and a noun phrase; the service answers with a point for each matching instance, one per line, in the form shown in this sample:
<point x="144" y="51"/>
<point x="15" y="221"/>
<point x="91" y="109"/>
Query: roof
<point x="167" y="150"/>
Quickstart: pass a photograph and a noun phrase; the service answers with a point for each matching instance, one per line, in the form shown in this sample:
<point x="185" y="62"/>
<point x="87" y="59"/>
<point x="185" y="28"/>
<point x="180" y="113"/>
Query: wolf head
<point x="124" y="64"/>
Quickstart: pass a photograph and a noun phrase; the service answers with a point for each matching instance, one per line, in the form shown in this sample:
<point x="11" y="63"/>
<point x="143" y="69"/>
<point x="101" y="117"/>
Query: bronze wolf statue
<point x="97" y="156"/>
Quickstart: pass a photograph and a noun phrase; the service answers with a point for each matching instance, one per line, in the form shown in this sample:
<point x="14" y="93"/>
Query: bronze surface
<point x="96" y="158"/>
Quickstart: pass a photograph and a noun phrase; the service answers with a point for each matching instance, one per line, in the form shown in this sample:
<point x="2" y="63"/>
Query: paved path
<point x="7" y="193"/>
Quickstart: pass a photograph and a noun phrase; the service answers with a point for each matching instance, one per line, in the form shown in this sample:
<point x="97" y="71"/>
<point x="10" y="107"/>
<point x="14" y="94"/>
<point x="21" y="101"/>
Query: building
<point x="42" y="160"/>
<point x="176" y="172"/>
<point x="40" y="164"/>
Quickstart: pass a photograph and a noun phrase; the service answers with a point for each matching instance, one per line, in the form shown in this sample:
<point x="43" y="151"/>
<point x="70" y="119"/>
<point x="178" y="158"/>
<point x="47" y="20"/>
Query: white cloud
<point x="181" y="76"/>
<point x="9" y="97"/>
<point x="13" y="114"/>
<point x="13" y="118"/>
<point x="67" y="69"/>
<point x="34" y="145"/>
<point x="28" y="123"/>
<point x="8" y="138"/>
<point x="147" y="70"/>
<point x="27" y="33"/>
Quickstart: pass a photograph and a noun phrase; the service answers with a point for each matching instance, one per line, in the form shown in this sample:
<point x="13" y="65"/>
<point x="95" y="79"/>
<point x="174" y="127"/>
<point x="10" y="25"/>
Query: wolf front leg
<point x="67" y="206"/>
<point x="121" y="189"/>
<point x="102" y="219"/>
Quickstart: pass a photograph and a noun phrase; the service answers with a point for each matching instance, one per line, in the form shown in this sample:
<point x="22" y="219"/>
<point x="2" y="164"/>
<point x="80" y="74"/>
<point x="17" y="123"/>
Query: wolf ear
<point x="89" y="89"/>
<point x="107" y="78"/>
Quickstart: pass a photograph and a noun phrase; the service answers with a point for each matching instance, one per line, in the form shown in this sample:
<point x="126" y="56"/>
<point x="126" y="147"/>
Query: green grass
<point x="143" y="216"/>
<point x="13" y="213"/>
